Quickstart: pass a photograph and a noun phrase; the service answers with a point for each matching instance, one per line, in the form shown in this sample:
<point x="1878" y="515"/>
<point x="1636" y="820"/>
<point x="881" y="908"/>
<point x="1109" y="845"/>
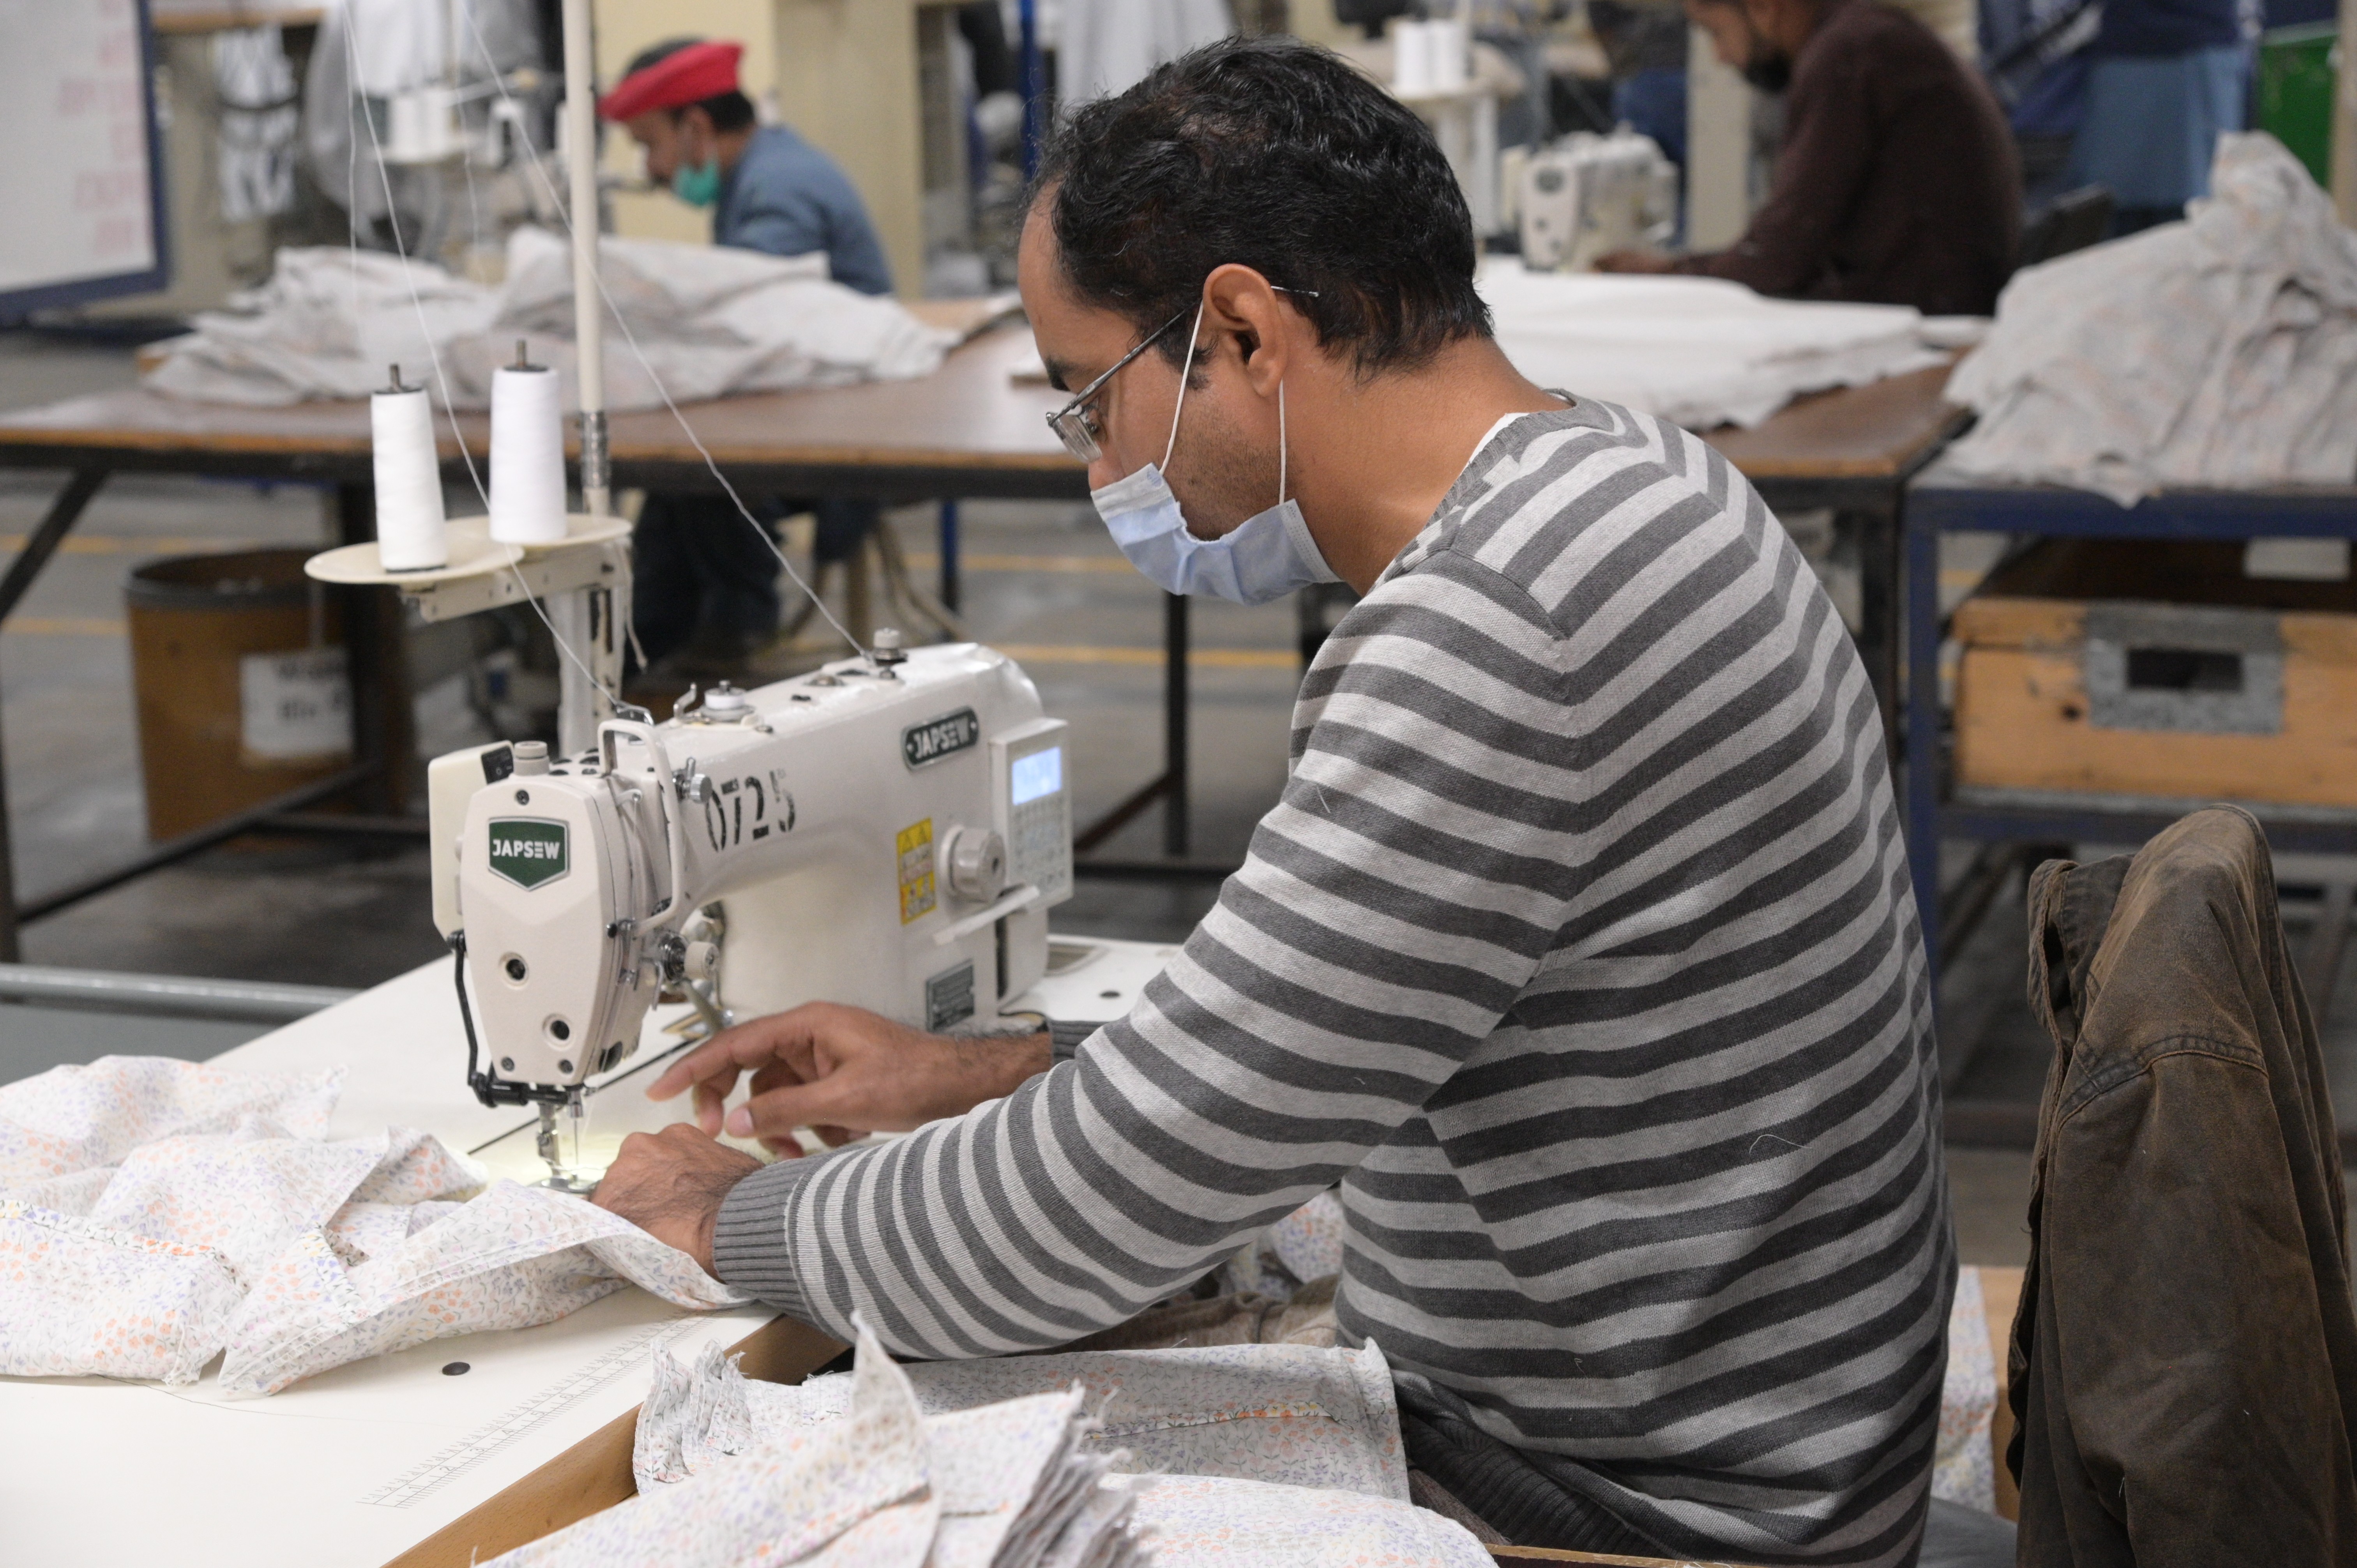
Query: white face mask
<point x="1266" y="557"/>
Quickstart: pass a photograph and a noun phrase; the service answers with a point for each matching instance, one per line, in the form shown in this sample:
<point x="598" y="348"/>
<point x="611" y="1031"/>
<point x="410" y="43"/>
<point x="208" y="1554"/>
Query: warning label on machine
<point x="915" y="845"/>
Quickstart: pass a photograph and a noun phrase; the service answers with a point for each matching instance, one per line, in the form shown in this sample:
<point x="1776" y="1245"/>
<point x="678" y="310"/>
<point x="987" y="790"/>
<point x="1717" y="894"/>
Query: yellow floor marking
<point x="134" y="544"/>
<point x="61" y="626"/>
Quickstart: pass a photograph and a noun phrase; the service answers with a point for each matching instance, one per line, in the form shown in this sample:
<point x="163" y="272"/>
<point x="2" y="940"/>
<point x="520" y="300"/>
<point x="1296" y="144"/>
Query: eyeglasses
<point x="1076" y="424"/>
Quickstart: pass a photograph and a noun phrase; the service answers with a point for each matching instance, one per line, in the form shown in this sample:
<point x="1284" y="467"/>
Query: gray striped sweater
<point x="1580" y="952"/>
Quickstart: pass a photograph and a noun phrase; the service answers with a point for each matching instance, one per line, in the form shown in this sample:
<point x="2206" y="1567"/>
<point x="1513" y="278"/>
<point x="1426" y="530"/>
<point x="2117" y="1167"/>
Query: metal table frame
<point x="1932" y="815"/>
<point x="351" y="479"/>
<point x="1853" y="451"/>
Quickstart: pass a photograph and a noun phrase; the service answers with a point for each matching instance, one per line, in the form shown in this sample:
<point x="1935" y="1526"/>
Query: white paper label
<point x="295" y="706"/>
<point x="2297" y="560"/>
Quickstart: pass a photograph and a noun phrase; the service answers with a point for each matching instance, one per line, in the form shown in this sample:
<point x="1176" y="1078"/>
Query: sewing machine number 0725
<point x="747" y="809"/>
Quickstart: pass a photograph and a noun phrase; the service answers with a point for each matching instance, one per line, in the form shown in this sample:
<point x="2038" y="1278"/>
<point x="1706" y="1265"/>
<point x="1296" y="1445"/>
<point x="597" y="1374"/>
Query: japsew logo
<point x="528" y="851"/>
<point x="926" y="743"/>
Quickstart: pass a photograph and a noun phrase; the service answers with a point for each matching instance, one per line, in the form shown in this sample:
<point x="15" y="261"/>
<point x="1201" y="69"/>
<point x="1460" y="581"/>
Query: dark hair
<point x="730" y="111"/>
<point x="1281" y="156"/>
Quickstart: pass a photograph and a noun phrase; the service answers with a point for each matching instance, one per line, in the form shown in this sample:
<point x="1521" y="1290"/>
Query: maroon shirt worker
<point x="1896" y="183"/>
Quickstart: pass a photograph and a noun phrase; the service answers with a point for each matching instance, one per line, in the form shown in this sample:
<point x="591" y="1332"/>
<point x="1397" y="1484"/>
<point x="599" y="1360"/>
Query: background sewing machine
<point x="889" y="832"/>
<point x="1587" y="195"/>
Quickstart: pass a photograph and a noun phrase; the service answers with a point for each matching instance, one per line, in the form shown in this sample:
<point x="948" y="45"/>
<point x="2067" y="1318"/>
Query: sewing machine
<point x="889" y="832"/>
<point x="1590" y="195"/>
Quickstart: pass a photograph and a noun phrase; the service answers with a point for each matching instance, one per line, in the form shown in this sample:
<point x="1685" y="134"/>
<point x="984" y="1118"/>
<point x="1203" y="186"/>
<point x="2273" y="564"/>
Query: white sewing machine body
<point x="889" y="834"/>
<point x="1590" y="195"/>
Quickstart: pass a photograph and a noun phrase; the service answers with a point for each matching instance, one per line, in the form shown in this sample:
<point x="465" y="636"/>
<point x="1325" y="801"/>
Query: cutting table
<point x="446" y="1454"/>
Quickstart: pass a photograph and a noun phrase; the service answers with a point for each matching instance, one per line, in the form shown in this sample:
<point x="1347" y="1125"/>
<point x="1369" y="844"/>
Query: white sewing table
<point x="393" y="1460"/>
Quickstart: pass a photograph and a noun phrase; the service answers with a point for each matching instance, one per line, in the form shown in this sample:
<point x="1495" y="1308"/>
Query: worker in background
<point x="706" y="581"/>
<point x="1579" y="948"/>
<point x="1896" y="181"/>
<point x="2164" y="78"/>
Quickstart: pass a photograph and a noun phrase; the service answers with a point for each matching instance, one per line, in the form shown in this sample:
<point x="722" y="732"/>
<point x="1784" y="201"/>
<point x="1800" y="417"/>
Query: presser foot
<point x="563" y="1175"/>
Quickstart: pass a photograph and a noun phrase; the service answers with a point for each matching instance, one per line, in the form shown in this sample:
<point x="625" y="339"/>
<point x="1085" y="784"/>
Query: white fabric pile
<point x="1004" y="1486"/>
<point x="709" y="321"/>
<point x="156" y="1214"/>
<point x="1699" y="352"/>
<point x="2221" y="351"/>
<point x="1239" y="1456"/>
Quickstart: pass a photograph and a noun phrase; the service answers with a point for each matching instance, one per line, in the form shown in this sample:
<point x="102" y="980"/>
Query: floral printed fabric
<point x="1280" y="1413"/>
<point x="513" y="1257"/>
<point x="1963" y="1470"/>
<point x="882" y="1486"/>
<point x="1305" y="1245"/>
<point x="156" y="1213"/>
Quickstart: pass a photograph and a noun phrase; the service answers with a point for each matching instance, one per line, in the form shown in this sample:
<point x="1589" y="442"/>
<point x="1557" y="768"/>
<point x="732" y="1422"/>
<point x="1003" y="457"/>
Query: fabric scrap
<point x="1964" y="1469"/>
<point x="513" y="1258"/>
<point x="1699" y="352"/>
<point x="1281" y="1414"/>
<point x="79" y="1118"/>
<point x="854" y="1494"/>
<point x="244" y="1194"/>
<point x="2220" y="352"/>
<point x="83" y="1300"/>
<point x="1011" y="1484"/>
<point x="701" y="321"/>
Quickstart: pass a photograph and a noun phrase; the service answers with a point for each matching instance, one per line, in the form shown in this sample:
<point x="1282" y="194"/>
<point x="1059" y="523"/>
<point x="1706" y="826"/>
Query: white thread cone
<point x="409" y="521"/>
<point x="527" y="457"/>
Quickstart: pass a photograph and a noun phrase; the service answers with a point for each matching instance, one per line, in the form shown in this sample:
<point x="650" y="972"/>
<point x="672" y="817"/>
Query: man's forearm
<point x="992" y="1067"/>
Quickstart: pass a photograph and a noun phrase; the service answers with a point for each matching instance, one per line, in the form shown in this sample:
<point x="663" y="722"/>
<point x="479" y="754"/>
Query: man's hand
<point x="671" y="1184"/>
<point x="842" y="1071"/>
<point x="1635" y="261"/>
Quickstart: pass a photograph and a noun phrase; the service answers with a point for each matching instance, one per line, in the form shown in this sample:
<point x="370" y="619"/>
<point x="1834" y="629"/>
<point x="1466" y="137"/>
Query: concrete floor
<point x="349" y="914"/>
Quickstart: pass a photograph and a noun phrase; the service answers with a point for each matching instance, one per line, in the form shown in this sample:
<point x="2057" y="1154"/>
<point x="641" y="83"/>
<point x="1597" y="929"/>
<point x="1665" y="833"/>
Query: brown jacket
<point x="2184" y="1360"/>
<point x="1897" y="182"/>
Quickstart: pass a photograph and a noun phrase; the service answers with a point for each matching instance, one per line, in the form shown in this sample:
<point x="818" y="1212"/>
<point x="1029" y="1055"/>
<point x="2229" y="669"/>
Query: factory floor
<point x="1040" y="580"/>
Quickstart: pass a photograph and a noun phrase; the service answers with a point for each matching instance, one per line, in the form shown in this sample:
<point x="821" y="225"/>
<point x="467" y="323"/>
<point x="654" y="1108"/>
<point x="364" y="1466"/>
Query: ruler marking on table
<point x="429" y="1477"/>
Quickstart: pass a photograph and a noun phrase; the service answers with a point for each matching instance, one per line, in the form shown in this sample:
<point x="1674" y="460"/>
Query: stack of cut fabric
<point x="2221" y="351"/>
<point x="1234" y="1456"/>
<point x="156" y="1214"/>
<point x="1699" y="352"/>
<point x="1007" y="1485"/>
<point x="698" y="321"/>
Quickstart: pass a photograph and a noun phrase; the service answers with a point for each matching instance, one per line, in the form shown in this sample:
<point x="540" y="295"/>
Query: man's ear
<point x="1240" y="302"/>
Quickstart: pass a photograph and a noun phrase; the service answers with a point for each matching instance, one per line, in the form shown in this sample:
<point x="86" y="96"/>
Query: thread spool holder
<point x="576" y="578"/>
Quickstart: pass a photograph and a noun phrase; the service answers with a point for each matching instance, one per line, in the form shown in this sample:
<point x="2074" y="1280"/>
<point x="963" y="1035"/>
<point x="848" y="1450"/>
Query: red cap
<point x="689" y="76"/>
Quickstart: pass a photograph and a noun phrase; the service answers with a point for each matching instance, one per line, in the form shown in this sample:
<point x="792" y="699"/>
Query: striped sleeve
<point x="1395" y="902"/>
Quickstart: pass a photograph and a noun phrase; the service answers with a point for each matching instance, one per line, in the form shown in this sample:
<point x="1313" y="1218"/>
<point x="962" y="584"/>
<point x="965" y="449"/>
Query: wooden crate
<point x="2157" y="669"/>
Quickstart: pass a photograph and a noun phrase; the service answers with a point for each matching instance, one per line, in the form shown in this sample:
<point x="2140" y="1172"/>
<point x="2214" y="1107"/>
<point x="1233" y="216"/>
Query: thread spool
<point x="1411" y="57"/>
<point x="409" y="521"/>
<point x="527" y="454"/>
<point x="1450" y="46"/>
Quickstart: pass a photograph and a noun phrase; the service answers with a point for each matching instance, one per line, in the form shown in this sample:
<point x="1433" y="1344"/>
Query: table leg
<point x="63" y="513"/>
<point x="1919" y="561"/>
<point x="1174" y="725"/>
<point x="950" y="557"/>
<point x="1880" y="590"/>
<point x="382" y="739"/>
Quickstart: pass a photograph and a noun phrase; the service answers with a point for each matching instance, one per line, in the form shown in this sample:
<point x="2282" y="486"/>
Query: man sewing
<point x="703" y="577"/>
<point x="1579" y="949"/>
<point x="1896" y="183"/>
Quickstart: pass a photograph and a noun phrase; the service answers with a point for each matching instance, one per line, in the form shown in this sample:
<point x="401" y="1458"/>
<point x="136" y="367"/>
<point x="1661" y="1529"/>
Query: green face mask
<point x="698" y="186"/>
